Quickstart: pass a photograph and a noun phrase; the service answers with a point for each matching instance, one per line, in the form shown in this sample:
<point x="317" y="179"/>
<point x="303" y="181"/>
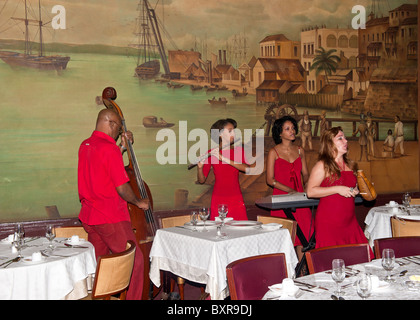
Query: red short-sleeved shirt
<point x="100" y="171"/>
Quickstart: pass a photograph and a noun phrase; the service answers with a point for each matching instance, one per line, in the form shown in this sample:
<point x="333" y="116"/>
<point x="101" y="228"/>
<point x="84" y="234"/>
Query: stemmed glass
<point x="364" y="285"/>
<point x="388" y="261"/>
<point x="193" y="219"/>
<point x="20" y="230"/>
<point x="223" y="211"/>
<point x="406" y="200"/>
<point x="18" y="243"/>
<point x="50" y="235"/>
<point x="204" y="214"/>
<point x="338" y="274"/>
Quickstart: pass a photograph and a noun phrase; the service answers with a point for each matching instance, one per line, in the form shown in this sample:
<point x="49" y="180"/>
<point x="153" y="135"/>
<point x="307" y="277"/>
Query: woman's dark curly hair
<point x="278" y="127"/>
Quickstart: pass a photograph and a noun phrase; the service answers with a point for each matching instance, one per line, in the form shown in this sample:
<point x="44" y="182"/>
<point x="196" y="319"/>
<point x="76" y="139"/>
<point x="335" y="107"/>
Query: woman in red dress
<point x="286" y="169"/>
<point x="333" y="180"/>
<point x="226" y="162"/>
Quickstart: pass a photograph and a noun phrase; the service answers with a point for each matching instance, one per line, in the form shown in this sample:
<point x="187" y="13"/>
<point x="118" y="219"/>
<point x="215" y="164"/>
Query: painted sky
<point x="188" y="22"/>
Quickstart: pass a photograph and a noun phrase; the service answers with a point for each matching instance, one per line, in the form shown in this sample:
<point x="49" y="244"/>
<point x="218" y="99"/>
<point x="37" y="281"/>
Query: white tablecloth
<point x="320" y="286"/>
<point x="200" y="257"/>
<point x="378" y="223"/>
<point x="52" y="279"/>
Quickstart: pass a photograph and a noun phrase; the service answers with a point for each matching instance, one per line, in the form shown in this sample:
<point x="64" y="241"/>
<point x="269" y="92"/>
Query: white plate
<point x="200" y="224"/>
<point x="243" y="223"/>
<point x="271" y="226"/>
<point x="68" y="241"/>
<point x="29" y="260"/>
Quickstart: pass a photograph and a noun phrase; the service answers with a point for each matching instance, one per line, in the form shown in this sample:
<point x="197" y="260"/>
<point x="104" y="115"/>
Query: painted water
<point x="45" y="116"/>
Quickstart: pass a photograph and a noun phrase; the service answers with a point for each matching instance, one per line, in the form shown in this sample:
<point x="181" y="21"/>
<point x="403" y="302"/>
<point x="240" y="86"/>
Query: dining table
<point x="62" y="271"/>
<point x="202" y="257"/>
<point x="378" y="220"/>
<point x="404" y="284"/>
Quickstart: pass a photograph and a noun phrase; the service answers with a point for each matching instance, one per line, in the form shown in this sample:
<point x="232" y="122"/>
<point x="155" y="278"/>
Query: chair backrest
<point x="402" y="246"/>
<point x="415" y="201"/>
<point x="113" y="273"/>
<point x="404" y="227"/>
<point x="169" y="222"/>
<point x="289" y="224"/>
<point x="249" y="278"/>
<point x="67" y="232"/>
<point x="320" y="259"/>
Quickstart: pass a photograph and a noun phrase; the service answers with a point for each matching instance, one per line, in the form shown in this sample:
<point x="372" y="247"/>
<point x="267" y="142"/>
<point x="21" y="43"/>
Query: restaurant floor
<point x="192" y="291"/>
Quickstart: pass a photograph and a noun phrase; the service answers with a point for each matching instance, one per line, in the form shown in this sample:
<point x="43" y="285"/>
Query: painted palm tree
<point x="325" y="61"/>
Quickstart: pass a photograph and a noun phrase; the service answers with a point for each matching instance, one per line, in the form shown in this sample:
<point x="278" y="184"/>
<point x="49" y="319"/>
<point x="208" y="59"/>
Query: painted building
<point x="345" y="41"/>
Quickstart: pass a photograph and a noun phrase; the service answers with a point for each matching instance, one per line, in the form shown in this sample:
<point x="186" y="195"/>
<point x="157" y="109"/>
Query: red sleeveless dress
<point x="289" y="174"/>
<point x="335" y="220"/>
<point x="226" y="188"/>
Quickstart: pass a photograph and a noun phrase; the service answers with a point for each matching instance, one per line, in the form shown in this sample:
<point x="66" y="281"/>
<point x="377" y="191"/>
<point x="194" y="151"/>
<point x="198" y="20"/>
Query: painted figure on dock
<point x="389" y="143"/>
<point x="362" y="129"/>
<point x="371" y="135"/>
<point x="305" y="128"/>
<point x="323" y="124"/>
<point x="399" y="134"/>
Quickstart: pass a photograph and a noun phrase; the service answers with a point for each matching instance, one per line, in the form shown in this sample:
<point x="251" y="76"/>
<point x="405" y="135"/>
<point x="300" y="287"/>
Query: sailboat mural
<point x="149" y="44"/>
<point x="29" y="60"/>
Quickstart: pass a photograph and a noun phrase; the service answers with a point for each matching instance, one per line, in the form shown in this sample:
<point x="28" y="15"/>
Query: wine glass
<point x="204" y="214"/>
<point x="20" y="230"/>
<point x="406" y="200"/>
<point x="50" y="235"/>
<point x="338" y="274"/>
<point x="193" y="219"/>
<point x="18" y="243"/>
<point x="363" y="285"/>
<point x="388" y="261"/>
<point x="223" y="211"/>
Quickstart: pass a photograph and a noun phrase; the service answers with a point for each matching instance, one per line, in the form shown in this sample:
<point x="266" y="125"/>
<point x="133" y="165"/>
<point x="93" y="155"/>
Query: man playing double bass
<point x="104" y="192"/>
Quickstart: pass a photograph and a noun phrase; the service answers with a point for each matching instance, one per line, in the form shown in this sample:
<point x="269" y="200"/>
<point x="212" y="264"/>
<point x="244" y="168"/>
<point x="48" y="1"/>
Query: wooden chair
<point x="404" y="227"/>
<point x="320" y="259"/>
<point x="289" y="224"/>
<point x="113" y="274"/>
<point x="402" y="246"/>
<point x="67" y="232"/>
<point x="169" y="222"/>
<point x="415" y="201"/>
<point x="249" y="278"/>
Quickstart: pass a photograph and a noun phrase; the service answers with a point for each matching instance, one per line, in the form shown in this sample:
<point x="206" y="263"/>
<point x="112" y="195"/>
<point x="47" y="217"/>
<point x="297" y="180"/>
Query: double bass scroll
<point x="142" y="221"/>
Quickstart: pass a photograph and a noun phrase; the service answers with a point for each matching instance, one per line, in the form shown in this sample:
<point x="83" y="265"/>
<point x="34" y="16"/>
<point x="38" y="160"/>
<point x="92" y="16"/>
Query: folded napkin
<point x="287" y="287"/>
<point x="8" y="239"/>
<point x="271" y="226"/>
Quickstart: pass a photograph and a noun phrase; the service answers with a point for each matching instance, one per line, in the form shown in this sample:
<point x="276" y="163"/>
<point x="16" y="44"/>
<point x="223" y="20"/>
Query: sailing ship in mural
<point x="149" y="45"/>
<point x="28" y="59"/>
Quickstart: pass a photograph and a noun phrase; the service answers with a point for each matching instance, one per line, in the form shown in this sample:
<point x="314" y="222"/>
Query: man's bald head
<point x="109" y="122"/>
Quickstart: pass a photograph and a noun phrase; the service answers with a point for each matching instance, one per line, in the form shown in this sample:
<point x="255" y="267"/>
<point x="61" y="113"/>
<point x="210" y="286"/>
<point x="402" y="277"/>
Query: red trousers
<point x="112" y="238"/>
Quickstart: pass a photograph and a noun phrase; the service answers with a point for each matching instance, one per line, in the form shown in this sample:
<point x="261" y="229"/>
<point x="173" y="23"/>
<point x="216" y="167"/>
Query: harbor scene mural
<point x="180" y="65"/>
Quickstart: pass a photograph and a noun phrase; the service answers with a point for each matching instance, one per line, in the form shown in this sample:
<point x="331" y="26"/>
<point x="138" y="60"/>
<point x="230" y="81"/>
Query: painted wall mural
<point x="178" y="66"/>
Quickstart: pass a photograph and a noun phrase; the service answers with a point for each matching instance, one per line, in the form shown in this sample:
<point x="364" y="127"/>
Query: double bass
<point x="142" y="221"/>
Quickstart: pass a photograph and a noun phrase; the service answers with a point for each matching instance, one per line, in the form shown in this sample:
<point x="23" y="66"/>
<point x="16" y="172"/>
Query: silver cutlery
<point x="310" y="286"/>
<point x="410" y="260"/>
<point x="74" y="246"/>
<point x="52" y="255"/>
<point x="334" y="297"/>
<point x="9" y="262"/>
